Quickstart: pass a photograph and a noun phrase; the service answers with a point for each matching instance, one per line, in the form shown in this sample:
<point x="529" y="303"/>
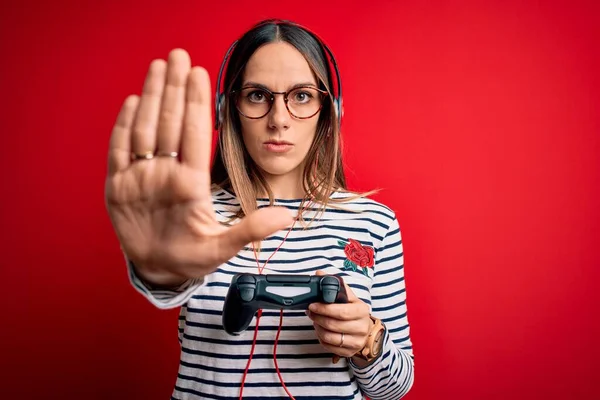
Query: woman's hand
<point x="159" y="201"/>
<point x="342" y="329"/>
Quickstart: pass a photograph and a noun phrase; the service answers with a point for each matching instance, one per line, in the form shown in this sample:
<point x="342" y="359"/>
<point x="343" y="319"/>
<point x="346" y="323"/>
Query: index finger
<point x="340" y="311"/>
<point x="196" y="137"/>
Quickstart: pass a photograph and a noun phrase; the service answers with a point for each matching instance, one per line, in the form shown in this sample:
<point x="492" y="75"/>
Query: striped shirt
<point x="212" y="363"/>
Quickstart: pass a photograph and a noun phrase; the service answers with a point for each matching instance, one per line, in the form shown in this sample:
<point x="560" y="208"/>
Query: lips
<point x="278" y="146"/>
<point x="278" y="142"/>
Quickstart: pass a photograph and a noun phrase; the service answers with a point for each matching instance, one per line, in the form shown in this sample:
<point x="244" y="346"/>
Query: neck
<point x="286" y="187"/>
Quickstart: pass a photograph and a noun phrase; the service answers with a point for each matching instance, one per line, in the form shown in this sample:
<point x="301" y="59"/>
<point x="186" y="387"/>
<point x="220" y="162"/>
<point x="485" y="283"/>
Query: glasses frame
<point x="323" y="93"/>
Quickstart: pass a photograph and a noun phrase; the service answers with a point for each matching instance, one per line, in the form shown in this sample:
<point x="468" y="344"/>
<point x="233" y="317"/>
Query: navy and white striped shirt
<point x="212" y="362"/>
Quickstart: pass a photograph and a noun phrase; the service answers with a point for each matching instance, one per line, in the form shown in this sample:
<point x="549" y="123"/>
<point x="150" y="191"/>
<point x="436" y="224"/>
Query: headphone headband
<point x="220" y="95"/>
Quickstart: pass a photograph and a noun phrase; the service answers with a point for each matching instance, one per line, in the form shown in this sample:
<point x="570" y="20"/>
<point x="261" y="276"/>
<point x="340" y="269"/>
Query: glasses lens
<point x="302" y="102"/>
<point x="254" y="102"/>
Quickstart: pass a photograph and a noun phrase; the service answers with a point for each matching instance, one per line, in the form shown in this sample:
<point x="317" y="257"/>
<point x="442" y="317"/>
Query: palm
<point x="161" y="201"/>
<point x="161" y="207"/>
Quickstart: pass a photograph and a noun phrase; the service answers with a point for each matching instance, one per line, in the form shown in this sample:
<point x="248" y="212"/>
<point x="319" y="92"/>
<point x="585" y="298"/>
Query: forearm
<point x="171" y="295"/>
<point x="157" y="278"/>
<point x="391" y="375"/>
<point x="360" y="363"/>
<point x="388" y="377"/>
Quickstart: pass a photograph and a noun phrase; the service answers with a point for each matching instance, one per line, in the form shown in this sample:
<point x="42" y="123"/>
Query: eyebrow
<point x="260" y="85"/>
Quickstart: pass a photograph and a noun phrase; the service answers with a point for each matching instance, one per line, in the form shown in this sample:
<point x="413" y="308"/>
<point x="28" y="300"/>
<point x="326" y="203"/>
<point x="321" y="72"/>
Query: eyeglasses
<point x="301" y="102"/>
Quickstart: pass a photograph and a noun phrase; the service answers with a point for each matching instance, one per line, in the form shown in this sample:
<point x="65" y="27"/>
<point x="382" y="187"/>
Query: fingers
<point x="174" y="112"/>
<point x="172" y="106"/>
<point x="143" y="137"/>
<point x="197" y="130"/>
<point x="255" y="227"/>
<point x="341" y="311"/>
<point x="120" y="139"/>
<point x="359" y="326"/>
<point x="332" y="341"/>
<point x="329" y="331"/>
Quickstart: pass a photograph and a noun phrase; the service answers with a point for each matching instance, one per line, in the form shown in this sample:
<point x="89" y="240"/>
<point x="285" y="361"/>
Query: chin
<point x="278" y="168"/>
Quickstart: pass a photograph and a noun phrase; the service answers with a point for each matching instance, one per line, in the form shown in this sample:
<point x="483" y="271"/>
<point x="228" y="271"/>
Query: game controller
<point x="250" y="292"/>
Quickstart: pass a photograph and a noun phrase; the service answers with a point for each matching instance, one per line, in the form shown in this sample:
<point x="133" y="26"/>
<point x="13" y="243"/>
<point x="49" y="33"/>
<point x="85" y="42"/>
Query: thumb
<point x="258" y="225"/>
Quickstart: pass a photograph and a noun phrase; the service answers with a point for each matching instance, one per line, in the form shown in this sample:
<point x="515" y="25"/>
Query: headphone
<point x="337" y="99"/>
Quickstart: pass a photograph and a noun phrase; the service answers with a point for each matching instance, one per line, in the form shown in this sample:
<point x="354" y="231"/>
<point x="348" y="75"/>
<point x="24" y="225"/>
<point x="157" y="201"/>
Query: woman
<point x="274" y="202"/>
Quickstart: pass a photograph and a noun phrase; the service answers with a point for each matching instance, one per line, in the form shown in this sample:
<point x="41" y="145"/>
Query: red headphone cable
<point x="259" y="314"/>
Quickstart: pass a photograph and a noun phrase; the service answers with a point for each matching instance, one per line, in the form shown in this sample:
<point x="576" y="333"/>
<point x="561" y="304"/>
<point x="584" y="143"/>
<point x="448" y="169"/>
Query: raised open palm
<point x="159" y="200"/>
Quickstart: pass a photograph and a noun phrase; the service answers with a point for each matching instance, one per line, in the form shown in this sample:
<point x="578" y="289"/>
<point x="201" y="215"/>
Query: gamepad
<point x="250" y="292"/>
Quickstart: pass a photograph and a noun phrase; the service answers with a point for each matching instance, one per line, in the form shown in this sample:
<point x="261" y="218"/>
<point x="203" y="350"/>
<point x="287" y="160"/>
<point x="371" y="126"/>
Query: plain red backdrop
<point x="478" y="119"/>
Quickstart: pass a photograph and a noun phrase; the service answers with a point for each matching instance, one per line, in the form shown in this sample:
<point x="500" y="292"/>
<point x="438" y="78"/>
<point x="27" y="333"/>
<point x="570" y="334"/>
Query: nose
<point x="279" y="117"/>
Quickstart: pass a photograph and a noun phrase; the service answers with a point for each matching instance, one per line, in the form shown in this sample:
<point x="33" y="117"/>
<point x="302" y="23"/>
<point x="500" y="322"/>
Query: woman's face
<point x="278" y="142"/>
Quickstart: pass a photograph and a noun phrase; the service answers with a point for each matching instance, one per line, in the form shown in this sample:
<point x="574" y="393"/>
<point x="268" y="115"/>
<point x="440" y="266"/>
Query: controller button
<point x="329" y="295"/>
<point x="246" y="279"/>
<point x="247" y="293"/>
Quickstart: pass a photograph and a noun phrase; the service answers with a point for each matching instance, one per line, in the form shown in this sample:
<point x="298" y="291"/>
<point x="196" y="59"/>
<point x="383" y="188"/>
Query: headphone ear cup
<point x="339" y="109"/>
<point x="219" y="112"/>
<point x="336" y="107"/>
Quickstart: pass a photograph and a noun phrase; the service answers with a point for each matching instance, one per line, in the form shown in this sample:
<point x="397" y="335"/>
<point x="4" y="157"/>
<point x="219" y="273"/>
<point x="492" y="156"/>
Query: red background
<point x="478" y="119"/>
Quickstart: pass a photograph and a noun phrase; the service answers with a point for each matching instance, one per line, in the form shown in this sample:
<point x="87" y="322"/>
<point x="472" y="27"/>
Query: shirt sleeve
<point x="162" y="298"/>
<point x="391" y="375"/>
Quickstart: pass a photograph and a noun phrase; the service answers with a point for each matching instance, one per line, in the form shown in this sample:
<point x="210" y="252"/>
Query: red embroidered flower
<point x="362" y="256"/>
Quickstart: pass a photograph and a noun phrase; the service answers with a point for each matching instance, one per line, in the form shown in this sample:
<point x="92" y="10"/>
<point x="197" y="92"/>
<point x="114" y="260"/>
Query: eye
<point x="302" y="96"/>
<point x="256" y="96"/>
